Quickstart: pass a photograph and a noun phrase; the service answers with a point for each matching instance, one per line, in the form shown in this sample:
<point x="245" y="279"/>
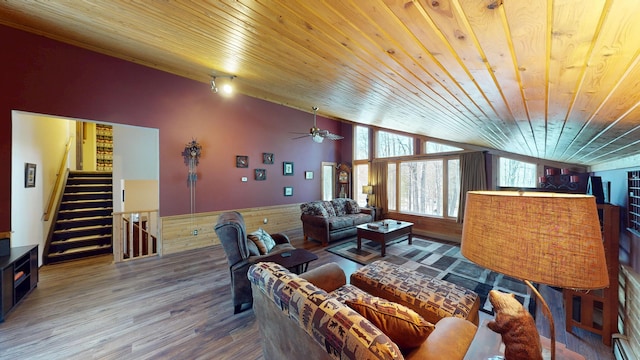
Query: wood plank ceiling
<point x="550" y="79"/>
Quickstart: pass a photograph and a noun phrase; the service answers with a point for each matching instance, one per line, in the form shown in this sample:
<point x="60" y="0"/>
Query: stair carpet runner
<point x="83" y="225"/>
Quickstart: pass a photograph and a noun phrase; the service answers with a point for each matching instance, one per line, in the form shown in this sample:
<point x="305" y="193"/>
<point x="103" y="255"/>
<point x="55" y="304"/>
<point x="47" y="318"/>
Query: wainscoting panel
<point x="177" y="232"/>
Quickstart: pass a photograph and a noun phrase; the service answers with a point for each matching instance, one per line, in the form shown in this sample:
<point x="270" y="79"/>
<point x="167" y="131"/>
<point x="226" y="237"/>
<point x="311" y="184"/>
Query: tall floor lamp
<point x="539" y="237"/>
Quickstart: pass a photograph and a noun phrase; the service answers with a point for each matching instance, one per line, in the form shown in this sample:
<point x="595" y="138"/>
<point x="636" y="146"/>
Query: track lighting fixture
<point x="224" y="84"/>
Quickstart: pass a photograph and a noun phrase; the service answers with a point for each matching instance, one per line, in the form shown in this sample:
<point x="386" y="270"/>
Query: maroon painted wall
<point x="41" y="75"/>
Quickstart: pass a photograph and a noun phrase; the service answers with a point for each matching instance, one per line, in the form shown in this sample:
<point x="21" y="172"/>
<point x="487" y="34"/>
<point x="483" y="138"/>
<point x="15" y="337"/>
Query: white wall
<point x="136" y="156"/>
<point x="39" y="140"/>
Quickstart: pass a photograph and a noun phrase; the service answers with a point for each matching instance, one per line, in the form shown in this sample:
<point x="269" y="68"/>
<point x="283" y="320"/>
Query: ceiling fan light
<point x="317" y="138"/>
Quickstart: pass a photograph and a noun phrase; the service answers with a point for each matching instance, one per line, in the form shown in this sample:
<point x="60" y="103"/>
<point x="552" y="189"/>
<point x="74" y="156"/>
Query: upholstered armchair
<point x="242" y="253"/>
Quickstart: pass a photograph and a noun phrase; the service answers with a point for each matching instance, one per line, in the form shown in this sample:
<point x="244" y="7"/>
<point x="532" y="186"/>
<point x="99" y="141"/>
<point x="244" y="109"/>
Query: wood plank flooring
<point x="174" y="307"/>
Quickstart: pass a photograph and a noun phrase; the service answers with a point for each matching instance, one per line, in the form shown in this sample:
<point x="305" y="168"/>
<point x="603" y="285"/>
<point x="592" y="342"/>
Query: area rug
<point x="439" y="260"/>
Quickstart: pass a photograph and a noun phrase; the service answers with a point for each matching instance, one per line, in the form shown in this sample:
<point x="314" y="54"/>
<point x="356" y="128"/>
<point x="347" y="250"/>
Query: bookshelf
<point x="633" y="209"/>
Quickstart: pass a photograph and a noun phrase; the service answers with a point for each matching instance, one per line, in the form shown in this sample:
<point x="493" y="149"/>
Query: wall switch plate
<point x="244" y="179"/>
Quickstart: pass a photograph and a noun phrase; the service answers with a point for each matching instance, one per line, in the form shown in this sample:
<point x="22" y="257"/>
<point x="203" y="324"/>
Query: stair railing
<point x="56" y="185"/>
<point x="135" y="235"/>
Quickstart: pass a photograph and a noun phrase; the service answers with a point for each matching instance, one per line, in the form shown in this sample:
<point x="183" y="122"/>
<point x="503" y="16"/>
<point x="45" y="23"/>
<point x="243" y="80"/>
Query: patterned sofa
<point x="331" y="220"/>
<point x="305" y="317"/>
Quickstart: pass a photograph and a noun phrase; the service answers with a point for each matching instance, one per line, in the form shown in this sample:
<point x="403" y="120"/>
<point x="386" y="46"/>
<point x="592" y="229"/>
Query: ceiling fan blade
<point x="300" y="137"/>
<point x="331" y="136"/>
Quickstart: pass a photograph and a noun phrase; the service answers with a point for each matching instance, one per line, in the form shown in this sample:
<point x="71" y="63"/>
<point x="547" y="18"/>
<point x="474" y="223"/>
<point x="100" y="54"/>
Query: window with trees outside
<point x="391" y="186"/>
<point x="361" y="143"/>
<point x="431" y="147"/>
<point x="426" y="187"/>
<point x="390" y="145"/>
<point x="514" y="173"/>
<point x="360" y="173"/>
<point x="361" y="178"/>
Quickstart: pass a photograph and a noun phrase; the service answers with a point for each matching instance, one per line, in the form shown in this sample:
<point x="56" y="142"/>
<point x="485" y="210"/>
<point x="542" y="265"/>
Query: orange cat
<point x="516" y="326"/>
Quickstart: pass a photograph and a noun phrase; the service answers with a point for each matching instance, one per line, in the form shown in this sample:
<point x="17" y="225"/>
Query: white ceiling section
<point x="549" y="79"/>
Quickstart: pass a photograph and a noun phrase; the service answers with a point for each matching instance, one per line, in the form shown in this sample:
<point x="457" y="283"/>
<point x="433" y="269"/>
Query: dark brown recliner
<point x="233" y="235"/>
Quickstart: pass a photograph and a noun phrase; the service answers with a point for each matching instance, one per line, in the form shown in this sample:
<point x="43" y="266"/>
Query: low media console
<point x="18" y="276"/>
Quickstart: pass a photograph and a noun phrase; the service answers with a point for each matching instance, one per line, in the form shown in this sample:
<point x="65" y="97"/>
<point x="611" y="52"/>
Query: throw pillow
<point x="253" y="248"/>
<point x="402" y="325"/>
<point x="263" y="241"/>
<point x="353" y="207"/>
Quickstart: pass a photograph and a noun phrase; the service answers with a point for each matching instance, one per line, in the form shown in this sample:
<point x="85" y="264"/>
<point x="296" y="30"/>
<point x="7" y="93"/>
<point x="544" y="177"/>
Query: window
<point x="421" y="187"/>
<point x="391" y="186"/>
<point x="390" y="144"/>
<point x="425" y="187"/>
<point x="435" y="148"/>
<point x="361" y="178"/>
<point x="361" y="143"/>
<point x="328" y="180"/>
<point x="514" y="173"/>
<point x="453" y="167"/>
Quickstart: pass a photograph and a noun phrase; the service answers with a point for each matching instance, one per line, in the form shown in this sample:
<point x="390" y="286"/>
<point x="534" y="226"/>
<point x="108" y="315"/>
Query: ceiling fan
<point x="319" y="135"/>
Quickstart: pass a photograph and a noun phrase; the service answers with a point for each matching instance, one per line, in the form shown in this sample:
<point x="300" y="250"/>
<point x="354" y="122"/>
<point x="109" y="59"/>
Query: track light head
<point x="225" y="86"/>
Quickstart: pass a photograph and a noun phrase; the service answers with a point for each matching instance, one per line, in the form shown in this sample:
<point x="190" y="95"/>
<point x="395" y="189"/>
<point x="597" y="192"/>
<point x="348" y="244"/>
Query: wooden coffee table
<point x="382" y="234"/>
<point x="297" y="262"/>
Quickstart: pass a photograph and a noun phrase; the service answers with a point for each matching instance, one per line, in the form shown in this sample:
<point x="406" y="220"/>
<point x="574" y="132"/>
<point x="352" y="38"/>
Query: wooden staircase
<point x="83" y="224"/>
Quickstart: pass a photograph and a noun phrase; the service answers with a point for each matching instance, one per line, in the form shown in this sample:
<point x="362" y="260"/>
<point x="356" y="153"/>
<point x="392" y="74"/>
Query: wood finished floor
<point x="174" y="307"/>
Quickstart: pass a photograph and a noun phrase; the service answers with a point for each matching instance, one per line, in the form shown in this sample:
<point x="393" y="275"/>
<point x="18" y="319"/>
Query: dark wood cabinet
<point x="596" y="310"/>
<point x="19" y="275"/>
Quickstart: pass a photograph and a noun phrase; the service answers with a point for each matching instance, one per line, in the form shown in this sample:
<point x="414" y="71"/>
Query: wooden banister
<point x="135" y="239"/>
<point x="54" y="190"/>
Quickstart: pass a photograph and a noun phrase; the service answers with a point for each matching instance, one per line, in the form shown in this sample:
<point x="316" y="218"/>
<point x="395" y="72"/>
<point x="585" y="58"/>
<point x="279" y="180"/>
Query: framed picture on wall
<point x="288" y="191"/>
<point x="267" y="158"/>
<point x="308" y="175"/>
<point x="261" y="174"/>
<point x="29" y="175"/>
<point x="242" y="161"/>
<point x="287" y="168"/>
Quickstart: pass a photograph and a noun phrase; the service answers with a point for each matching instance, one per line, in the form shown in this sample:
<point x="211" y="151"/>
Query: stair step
<point x="83" y="249"/>
<point x="80" y="242"/>
<point x="83" y="222"/>
<point x="94" y="227"/>
<point x="84" y="196"/>
<point x="59" y="235"/>
<point x="87" y="188"/>
<point x="79" y="253"/>
<point x="84" y="213"/>
<point x="89" y="193"/>
<point x="83" y="238"/>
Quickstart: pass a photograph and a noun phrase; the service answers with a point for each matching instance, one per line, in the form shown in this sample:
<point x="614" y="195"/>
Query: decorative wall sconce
<point x="191" y="156"/>
<point x="223" y="83"/>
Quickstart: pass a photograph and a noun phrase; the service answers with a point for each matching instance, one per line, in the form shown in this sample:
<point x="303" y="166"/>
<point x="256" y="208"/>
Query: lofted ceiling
<point x="552" y="79"/>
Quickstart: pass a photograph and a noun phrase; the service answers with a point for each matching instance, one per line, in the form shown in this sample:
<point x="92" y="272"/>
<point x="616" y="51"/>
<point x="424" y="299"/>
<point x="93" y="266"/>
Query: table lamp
<point x="545" y="238"/>
<point x="367" y="189"/>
